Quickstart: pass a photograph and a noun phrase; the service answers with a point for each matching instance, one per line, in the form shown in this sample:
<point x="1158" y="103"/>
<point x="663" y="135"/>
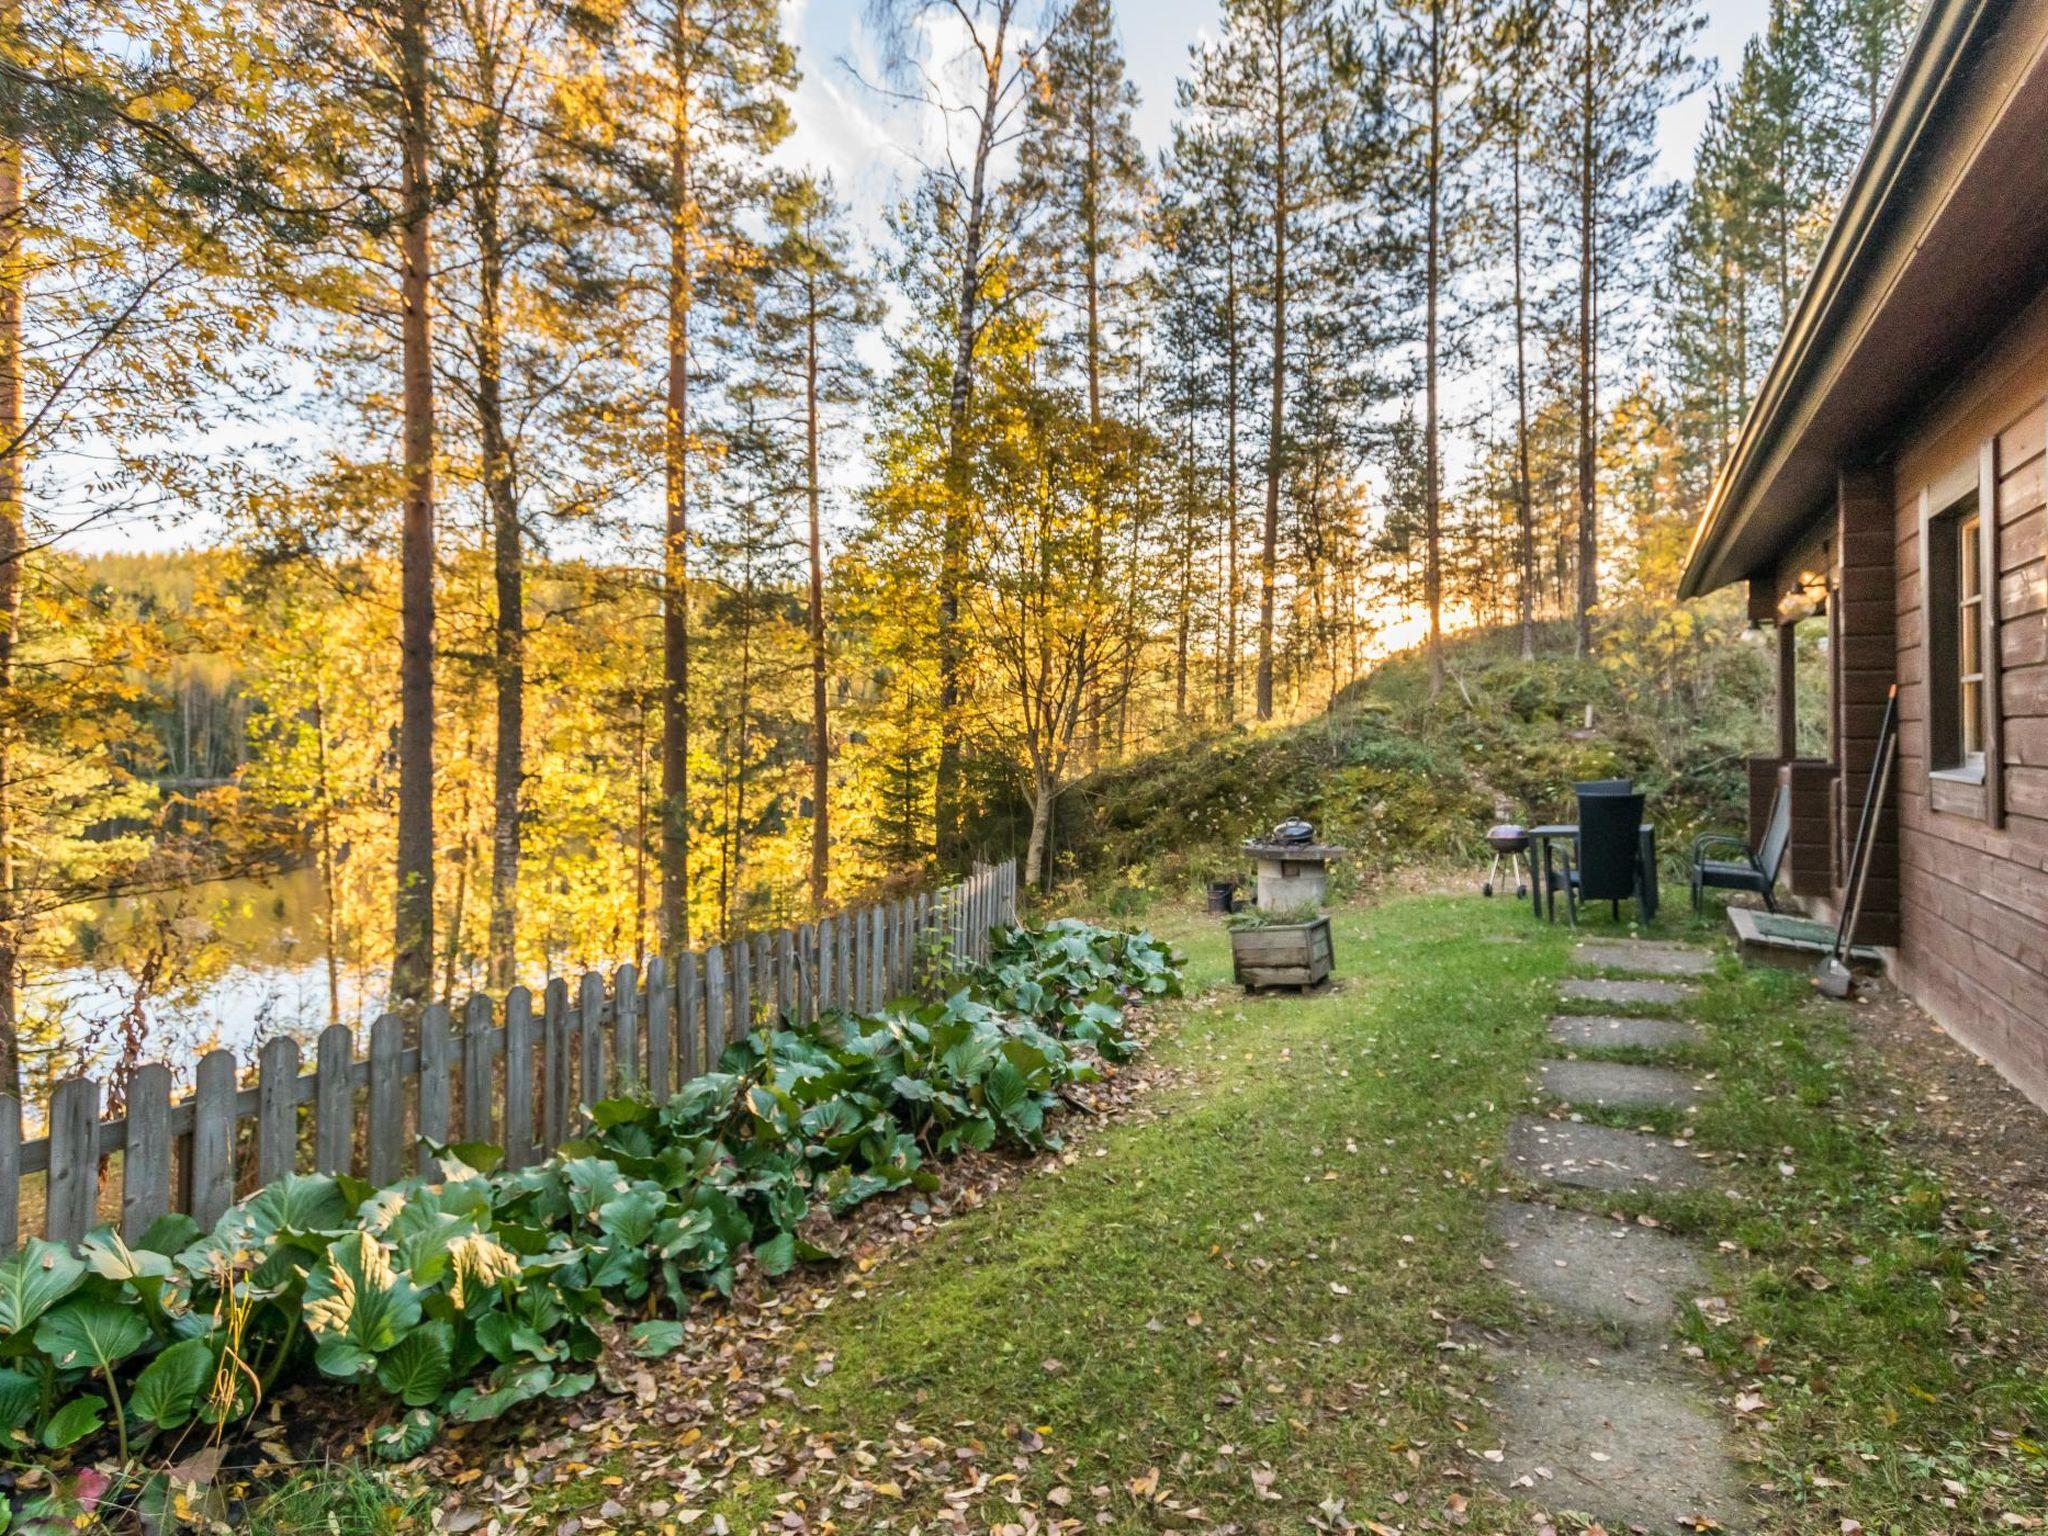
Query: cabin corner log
<point x="515" y="1074"/>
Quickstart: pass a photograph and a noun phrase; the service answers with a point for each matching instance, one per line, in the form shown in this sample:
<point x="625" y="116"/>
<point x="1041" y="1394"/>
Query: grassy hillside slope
<point x="1404" y="780"/>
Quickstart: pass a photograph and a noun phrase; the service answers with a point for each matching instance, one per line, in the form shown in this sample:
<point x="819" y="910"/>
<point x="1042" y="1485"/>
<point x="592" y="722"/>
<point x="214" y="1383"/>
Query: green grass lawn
<point x="1257" y="1295"/>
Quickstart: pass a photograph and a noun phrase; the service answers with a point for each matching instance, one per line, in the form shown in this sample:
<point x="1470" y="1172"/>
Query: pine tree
<point x="985" y="226"/>
<point x="1269" y="78"/>
<point x="813" y="301"/>
<point x="1623" y="62"/>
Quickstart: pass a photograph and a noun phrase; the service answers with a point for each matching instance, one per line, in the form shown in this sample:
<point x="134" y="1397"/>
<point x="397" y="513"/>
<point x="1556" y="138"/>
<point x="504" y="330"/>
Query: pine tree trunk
<point x="821" y="738"/>
<point x="1432" y="507"/>
<point x="1231" y="578"/>
<point x="1269" y="548"/>
<point x="13" y="456"/>
<point x="412" y="955"/>
<point x="949" y="833"/>
<point x="1589" y="512"/>
<point x="508" y="631"/>
<point x="675" y="565"/>
<point x="1525" y="506"/>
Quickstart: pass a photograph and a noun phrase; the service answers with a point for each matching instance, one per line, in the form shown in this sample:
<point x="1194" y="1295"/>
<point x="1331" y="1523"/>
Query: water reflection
<point x="231" y="963"/>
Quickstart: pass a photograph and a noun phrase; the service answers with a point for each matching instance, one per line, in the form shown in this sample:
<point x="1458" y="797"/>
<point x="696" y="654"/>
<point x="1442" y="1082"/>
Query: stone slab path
<point x="1646" y="957"/>
<point x="1594" y="1413"/>
<point x="1586" y="1156"/>
<point x="1592" y="1030"/>
<point x="1625" y="994"/>
<point x="1626" y="1445"/>
<point x="1616" y="1085"/>
<point x="1595" y="1269"/>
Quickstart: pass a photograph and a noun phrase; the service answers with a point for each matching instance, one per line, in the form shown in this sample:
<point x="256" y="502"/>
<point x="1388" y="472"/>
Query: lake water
<point x="233" y="963"/>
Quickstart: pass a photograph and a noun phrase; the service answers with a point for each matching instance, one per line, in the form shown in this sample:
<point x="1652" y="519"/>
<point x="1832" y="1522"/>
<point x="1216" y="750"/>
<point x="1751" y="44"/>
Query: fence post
<point x="146" y="1163"/>
<point x="10" y="1171"/>
<point x="479" y="1122"/>
<point x="590" y="1043"/>
<point x="437" y="1062"/>
<point x="71" y="1196"/>
<point x="554" y="1064"/>
<point x="519" y="1148"/>
<point x="714" y="1006"/>
<point x="826" y="993"/>
<point x="689" y="1014"/>
<point x="626" y="1075"/>
<point x="334" y="1101"/>
<point x="661" y="1080"/>
<point x="788" y="985"/>
<point x="277" y="1110"/>
<point x="213" y="1137"/>
<point x="387" y="1099"/>
<point x="740" y="972"/>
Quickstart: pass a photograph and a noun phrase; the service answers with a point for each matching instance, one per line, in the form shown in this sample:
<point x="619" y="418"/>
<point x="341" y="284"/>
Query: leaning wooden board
<point x="1293" y="955"/>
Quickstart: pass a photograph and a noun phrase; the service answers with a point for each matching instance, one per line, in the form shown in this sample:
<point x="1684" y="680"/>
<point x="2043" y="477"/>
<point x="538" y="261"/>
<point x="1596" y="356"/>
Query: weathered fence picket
<point x="515" y="1075"/>
<point x="519" y="1046"/>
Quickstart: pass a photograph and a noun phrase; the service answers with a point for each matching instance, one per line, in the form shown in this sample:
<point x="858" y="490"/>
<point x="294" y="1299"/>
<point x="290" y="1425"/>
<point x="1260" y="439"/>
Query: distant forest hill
<point x="1101" y="447"/>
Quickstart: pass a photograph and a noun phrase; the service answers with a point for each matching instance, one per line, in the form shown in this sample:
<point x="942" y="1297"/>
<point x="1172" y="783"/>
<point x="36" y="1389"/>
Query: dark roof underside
<point x="1941" y="243"/>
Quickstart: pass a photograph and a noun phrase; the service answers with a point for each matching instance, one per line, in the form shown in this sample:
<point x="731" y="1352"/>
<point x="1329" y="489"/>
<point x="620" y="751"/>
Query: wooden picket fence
<point x="514" y="1074"/>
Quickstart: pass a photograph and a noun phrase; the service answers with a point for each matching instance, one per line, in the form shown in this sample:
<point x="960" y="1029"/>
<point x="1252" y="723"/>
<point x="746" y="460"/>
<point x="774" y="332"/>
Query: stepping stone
<point x="1623" y="993"/>
<point x="1598" y="1270"/>
<point x="1615" y="1442"/>
<point x="1648" y="957"/>
<point x="1617" y="1085"/>
<point x="1597" y="1029"/>
<point x="1598" y="1156"/>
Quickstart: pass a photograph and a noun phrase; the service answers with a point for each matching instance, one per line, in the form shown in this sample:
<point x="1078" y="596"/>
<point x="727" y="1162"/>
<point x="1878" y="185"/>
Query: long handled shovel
<point x="1833" y="975"/>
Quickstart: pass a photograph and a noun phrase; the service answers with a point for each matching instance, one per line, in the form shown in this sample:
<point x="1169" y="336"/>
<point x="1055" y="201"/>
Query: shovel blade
<point x="1834" y="978"/>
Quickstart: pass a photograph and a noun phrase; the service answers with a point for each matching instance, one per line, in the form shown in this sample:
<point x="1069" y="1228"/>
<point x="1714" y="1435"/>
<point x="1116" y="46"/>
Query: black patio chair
<point x="1757" y="870"/>
<point x="1604" y="787"/>
<point x="1602" y="864"/>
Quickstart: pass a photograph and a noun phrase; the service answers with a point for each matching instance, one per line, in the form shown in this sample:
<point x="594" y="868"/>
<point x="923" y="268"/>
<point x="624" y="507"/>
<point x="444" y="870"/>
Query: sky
<point x="845" y="127"/>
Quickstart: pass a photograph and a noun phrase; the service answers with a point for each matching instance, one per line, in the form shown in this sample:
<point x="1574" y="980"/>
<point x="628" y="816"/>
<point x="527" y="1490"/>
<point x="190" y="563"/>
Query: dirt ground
<point x="1979" y="1131"/>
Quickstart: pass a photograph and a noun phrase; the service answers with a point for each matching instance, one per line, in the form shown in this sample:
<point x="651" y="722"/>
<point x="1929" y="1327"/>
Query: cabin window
<point x="1970" y="639"/>
<point x="1955" y="640"/>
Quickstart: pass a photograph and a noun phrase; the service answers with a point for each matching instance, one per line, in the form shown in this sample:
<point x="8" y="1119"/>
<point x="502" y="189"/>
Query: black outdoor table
<point x="1540" y="839"/>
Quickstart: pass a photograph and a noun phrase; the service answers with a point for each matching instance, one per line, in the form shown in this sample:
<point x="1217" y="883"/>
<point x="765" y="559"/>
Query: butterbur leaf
<point x="74" y="1421"/>
<point x="111" y="1259"/>
<point x="656" y="1337"/>
<point x="299" y="1202"/>
<point x="91" y="1335"/>
<point x="20" y="1397"/>
<point x="405" y="1437"/>
<point x="416" y="1372"/>
<point x="507" y="1387"/>
<point x="778" y="1255"/>
<point x="171" y="1233"/>
<point x="358" y="1305"/>
<point x="34" y="1279"/>
<point x="167" y="1391"/>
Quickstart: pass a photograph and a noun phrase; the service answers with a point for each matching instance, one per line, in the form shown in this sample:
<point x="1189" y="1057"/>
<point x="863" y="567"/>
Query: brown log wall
<point x="1973" y="879"/>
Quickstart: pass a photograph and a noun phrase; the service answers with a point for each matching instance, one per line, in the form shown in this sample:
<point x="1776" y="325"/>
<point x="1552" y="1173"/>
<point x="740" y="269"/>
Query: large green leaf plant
<point x="464" y="1292"/>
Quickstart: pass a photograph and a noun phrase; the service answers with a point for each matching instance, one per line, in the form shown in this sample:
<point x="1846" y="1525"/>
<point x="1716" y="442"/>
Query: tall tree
<point x="1270" y="76"/>
<point x="1518" y="39"/>
<point x="1083" y="168"/>
<point x="814" y="301"/>
<point x="986" y="229"/>
<point x="1624" y="61"/>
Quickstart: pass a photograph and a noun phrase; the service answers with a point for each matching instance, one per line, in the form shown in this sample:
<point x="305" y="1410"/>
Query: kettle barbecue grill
<point x="1508" y="841"/>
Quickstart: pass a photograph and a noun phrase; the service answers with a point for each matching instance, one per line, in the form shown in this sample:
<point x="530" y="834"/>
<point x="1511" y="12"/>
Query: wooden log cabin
<point x="1888" y="481"/>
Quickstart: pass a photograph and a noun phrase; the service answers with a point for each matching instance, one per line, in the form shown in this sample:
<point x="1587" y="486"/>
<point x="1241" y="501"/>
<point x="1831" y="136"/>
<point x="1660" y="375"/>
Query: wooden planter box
<point x="1293" y="955"/>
